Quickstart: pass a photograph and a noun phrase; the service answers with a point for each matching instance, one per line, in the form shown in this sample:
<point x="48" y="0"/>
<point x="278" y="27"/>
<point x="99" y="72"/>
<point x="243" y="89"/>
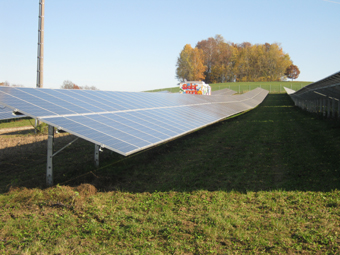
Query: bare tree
<point x="89" y="87"/>
<point x="67" y="84"/>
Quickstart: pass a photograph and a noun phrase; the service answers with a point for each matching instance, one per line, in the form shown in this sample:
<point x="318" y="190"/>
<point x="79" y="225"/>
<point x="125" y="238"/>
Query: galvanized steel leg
<point x="328" y="107"/>
<point x="315" y="106"/>
<point x="49" y="168"/>
<point x="35" y="126"/>
<point x="96" y="155"/>
<point x="320" y="111"/>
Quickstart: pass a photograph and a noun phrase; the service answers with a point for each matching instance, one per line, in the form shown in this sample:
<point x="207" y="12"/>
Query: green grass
<point x="243" y="87"/>
<point x="266" y="181"/>
<point x="16" y="123"/>
<point x="272" y="87"/>
<point x="63" y="221"/>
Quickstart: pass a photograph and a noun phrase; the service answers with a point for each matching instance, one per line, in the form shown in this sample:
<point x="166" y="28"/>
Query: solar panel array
<point x="321" y="96"/>
<point x="329" y="87"/>
<point x="126" y="122"/>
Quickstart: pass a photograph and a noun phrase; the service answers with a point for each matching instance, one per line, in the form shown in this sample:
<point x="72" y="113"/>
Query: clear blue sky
<point x="133" y="45"/>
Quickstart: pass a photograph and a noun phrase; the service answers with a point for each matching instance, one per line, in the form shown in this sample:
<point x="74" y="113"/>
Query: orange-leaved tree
<point x="190" y="64"/>
<point x="292" y="72"/>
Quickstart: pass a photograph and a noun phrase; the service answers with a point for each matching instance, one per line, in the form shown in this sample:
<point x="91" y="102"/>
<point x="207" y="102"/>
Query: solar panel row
<point x="126" y="122"/>
<point x="7" y="113"/>
<point x="223" y="92"/>
<point x="327" y="87"/>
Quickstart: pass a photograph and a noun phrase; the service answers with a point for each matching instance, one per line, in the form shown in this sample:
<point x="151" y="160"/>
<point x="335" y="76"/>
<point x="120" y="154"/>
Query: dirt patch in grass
<point x="86" y="190"/>
<point x="15" y="129"/>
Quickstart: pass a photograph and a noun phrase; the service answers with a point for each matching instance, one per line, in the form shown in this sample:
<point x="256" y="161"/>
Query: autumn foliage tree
<point x="292" y="72"/>
<point x="227" y="62"/>
<point x="70" y="85"/>
<point x="190" y="64"/>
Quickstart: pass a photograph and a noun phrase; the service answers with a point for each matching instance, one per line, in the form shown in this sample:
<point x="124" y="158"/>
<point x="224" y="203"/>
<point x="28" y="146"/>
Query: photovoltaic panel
<point x="126" y="122"/>
<point x="223" y="92"/>
<point x="328" y="87"/>
<point x="7" y="113"/>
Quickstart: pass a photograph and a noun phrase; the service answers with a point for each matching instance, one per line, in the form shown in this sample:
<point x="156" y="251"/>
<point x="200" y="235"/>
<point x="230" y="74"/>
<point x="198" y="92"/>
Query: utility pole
<point x="40" y="64"/>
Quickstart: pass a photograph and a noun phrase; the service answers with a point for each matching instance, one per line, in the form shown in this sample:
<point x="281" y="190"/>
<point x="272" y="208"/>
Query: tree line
<point x="7" y="84"/>
<point x="216" y="61"/>
<point x="67" y="84"/>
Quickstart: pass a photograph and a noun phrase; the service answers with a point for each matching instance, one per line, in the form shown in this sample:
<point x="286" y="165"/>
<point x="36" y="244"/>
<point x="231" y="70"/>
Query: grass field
<point x="243" y="87"/>
<point x="266" y="181"/>
<point x="16" y="123"/>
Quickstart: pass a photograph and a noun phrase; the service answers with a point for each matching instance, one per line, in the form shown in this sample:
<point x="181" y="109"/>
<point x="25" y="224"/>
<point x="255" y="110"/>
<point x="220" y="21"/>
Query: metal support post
<point x="311" y="106"/>
<point x="333" y="108"/>
<point x="49" y="168"/>
<point x="315" y="106"/>
<point x="96" y="155"/>
<point x="320" y="101"/>
<point x="328" y="107"/>
<point x="35" y="126"/>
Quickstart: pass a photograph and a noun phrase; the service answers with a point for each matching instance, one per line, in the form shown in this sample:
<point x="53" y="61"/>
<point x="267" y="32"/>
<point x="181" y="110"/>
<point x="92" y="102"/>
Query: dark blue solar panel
<point x="74" y="104"/>
<point x="86" y="132"/>
<point x="130" y="128"/>
<point x="119" y="106"/>
<point x="22" y="95"/>
<point x="147" y="126"/>
<point x="126" y="122"/>
<point x="83" y="97"/>
<point x="7" y="113"/>
<point x="146" y="115"/>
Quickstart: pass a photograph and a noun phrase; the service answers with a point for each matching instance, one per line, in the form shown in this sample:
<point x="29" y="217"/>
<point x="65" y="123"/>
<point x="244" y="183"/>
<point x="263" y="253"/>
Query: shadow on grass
<point x="273" y="147"/>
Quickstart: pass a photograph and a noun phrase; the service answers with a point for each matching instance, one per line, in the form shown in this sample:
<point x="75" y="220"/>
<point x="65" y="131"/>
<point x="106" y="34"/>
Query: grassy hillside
<point x="242" y="87"/>
<point x="272" y="87"/>
<point x="266" y="181"/>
